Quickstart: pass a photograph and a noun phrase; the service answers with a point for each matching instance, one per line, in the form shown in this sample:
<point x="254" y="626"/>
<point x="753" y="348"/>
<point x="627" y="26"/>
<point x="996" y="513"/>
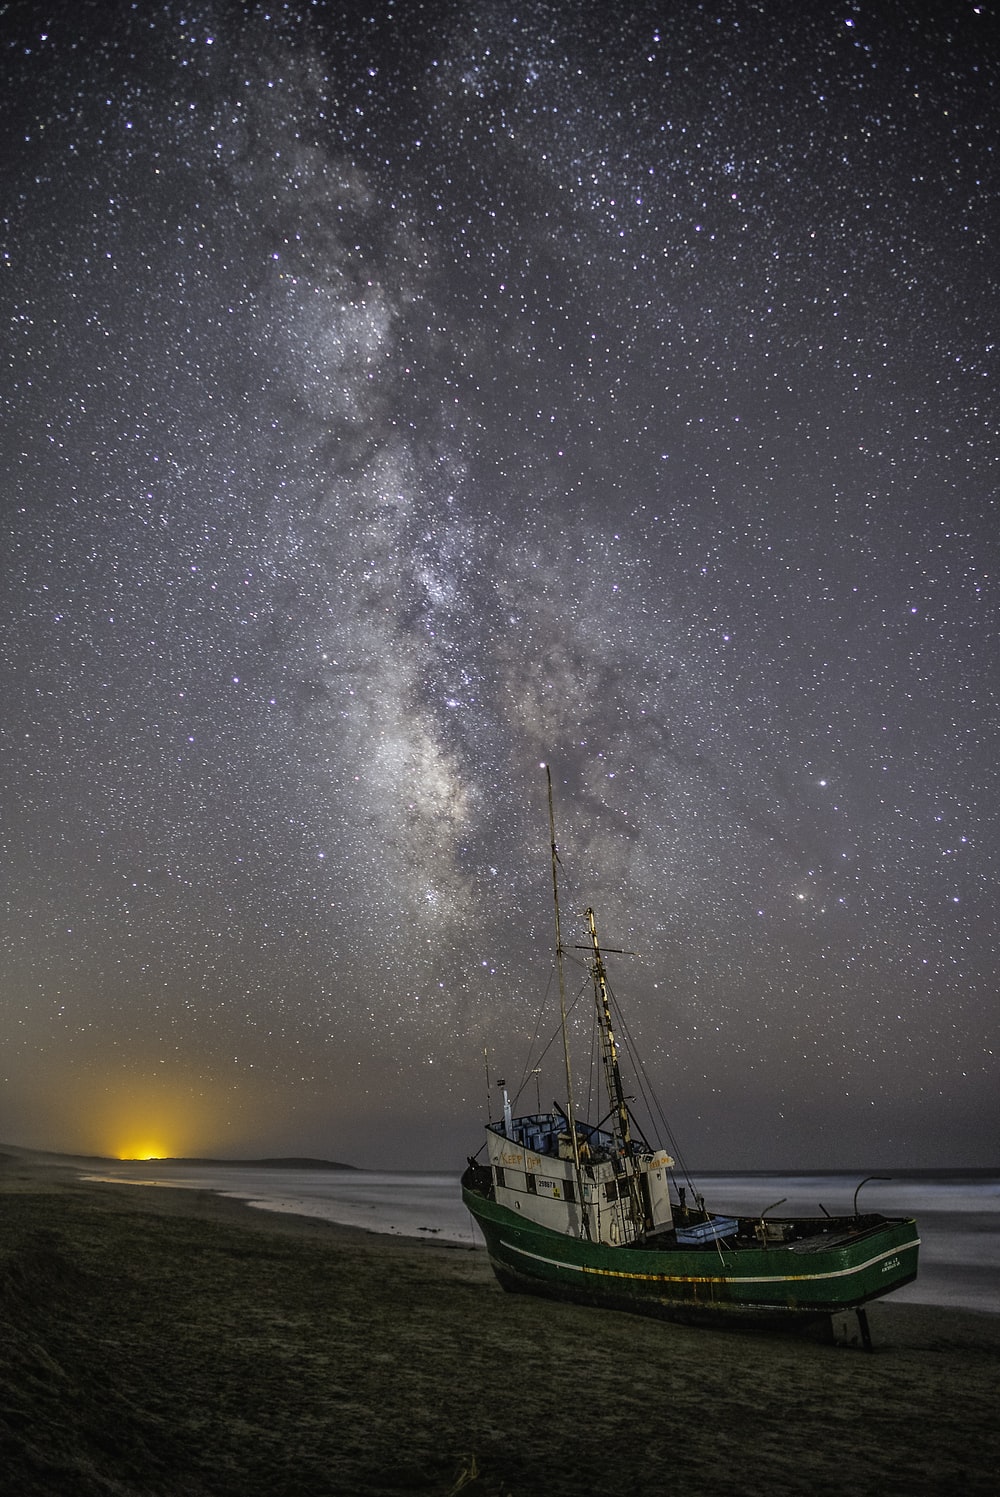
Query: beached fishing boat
<point x="597" y="1213"/>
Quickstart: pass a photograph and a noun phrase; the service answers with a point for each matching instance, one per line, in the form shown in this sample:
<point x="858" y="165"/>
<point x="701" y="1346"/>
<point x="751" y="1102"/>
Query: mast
<point x="622" y="1126"/>
<point x="612" y="1071"/>
<point x="570" y="1109"/>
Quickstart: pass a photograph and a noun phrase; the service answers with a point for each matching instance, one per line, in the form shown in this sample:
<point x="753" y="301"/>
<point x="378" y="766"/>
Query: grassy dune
<point x="158" y="1341"/>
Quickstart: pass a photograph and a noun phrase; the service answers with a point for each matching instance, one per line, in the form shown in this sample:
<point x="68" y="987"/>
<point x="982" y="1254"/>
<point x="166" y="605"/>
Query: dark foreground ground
<point x="157" y="1341"/>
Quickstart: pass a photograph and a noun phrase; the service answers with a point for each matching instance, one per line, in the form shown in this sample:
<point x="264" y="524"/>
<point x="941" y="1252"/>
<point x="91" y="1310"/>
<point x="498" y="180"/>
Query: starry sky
<point x="397" y="396"/>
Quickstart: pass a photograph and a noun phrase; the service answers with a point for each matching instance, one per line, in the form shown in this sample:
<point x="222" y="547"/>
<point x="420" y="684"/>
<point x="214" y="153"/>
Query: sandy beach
<point x="177" y="1342"/>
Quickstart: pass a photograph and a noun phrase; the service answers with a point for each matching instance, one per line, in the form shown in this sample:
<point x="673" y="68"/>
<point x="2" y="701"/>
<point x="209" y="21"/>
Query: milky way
<point x="398" y="400"/>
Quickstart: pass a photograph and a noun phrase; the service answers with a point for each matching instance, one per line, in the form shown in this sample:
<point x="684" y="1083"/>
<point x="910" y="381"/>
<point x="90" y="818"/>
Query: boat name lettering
<point x="889" y="1264"/>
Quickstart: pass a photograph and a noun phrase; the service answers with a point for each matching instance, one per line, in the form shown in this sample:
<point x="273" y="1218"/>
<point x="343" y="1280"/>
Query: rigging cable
<point x="650" y="1100"/>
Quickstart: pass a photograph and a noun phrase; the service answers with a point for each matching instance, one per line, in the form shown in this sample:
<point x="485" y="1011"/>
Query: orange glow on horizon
<point x="165" y="1119"/>
<point x="173" y="1113"/>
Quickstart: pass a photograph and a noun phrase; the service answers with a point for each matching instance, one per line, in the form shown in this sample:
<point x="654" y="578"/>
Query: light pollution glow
<point x="123" y="1117"/>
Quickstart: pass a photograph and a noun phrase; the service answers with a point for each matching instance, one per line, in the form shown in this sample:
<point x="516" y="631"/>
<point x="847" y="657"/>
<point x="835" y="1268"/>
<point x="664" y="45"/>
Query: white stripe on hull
<point x="665" y="1278"/>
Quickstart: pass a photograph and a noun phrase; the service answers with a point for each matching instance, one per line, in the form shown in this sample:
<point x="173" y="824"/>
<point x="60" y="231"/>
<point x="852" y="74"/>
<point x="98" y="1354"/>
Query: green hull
<point x="834" y="1265"/>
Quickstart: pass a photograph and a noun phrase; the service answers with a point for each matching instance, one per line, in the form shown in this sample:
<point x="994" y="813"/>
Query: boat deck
<point x="797" y="1234"/>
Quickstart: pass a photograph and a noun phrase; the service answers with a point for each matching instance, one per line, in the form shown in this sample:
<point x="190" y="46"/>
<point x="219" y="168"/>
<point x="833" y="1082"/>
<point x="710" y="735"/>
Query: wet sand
<point x="163" y="1341"/>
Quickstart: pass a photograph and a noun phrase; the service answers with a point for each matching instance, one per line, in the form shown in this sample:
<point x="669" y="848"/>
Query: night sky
<point x="396" y="396"/>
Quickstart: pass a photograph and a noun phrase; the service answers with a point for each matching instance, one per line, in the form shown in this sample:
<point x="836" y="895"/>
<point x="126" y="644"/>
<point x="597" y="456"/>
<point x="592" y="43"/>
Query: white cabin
<point x="534" y="1173"/>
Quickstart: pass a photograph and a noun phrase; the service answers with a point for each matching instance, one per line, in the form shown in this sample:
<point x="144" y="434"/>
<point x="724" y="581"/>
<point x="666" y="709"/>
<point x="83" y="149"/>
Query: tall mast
<point x="612" y="1072"/>
<point x="613" y="1077"/>
<point x="570" y="1109"/>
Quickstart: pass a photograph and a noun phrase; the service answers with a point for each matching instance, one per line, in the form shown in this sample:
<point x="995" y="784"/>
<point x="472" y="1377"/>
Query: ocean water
<point x="958" y="1214"/>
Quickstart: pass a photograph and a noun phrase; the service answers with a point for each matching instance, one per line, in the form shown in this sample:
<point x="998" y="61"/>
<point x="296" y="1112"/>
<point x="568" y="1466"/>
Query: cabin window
<point x="530" y="1181"/>
<point x="498" y="1176"/>
<point x="569" y="1191"/>
<point x="616" y="1190"/>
